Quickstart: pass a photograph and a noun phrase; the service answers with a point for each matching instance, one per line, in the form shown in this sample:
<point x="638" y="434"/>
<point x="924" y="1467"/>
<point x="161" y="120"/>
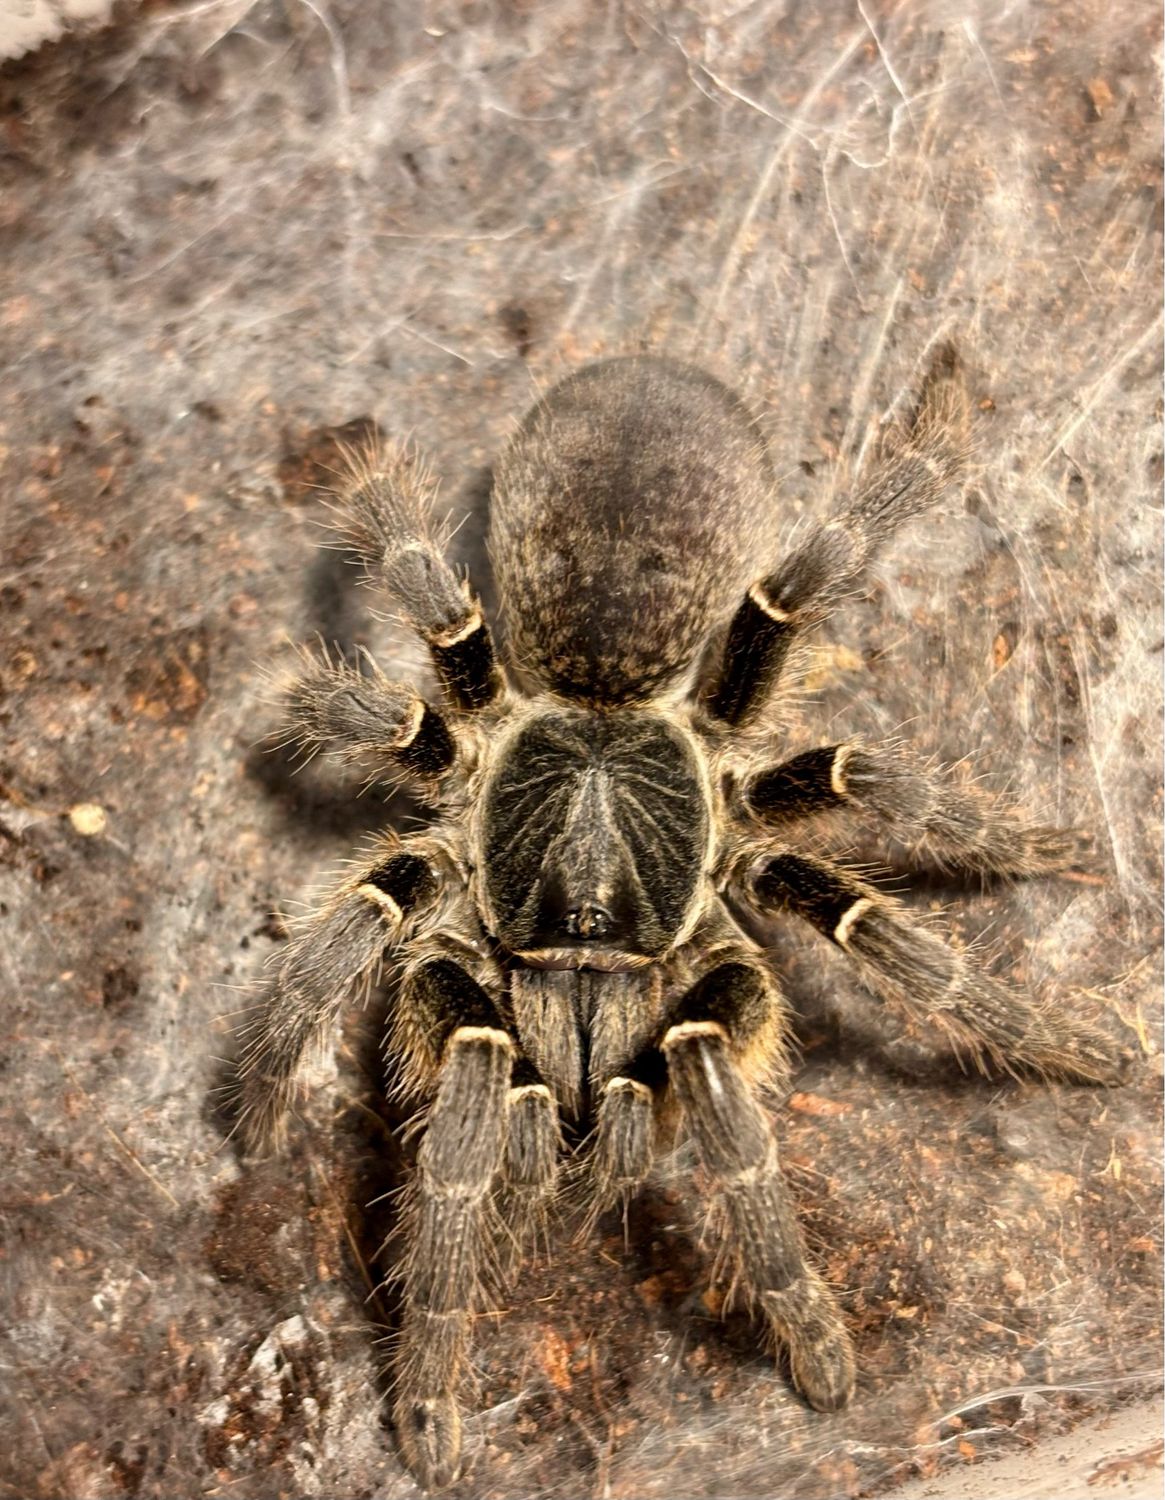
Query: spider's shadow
<point x="372" y="1134"/>
<point x="313" y="803"/>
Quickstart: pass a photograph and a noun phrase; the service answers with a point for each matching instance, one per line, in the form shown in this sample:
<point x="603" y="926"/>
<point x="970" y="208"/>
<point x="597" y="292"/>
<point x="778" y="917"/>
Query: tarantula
<point x="564" y="937"/>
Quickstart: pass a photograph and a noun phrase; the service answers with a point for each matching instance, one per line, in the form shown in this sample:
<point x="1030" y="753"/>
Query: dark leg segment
<point x="957" y="827"/>
<point x="759" y="640"/>
<point x="441" y="997"/>
<point x="332" y="959"/>
<point x="906" y="964"/>
<point x="448" y="1238"/>
<point x="365" y="717"/>
<point x="719" y="1017"/>
<point x="910" y="473"/>
<point x="388" y="506"/>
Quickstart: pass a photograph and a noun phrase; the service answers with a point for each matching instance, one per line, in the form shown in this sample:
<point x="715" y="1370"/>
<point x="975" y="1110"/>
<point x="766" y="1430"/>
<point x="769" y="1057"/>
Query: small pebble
<point x="88" y="819"/>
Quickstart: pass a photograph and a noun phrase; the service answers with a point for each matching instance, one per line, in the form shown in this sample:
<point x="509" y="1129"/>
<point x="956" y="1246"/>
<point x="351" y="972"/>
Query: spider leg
<point x="959" y="827"/>
<point x="332" y="959"/>
<point x="468" y="1141"/>
<point x="533" y="1147"/>
<point x="387" y="506"/>
<point x="717" y="1025"/>
<point x="362" y="717"/>
<point x="725" y="1030"/>
<point x="907" y="965"/>
<point x="628" y="1074"/>
<point x="910" y="473"/>
<point x="626" y="1080"/>
<point x="625" y="1146"/>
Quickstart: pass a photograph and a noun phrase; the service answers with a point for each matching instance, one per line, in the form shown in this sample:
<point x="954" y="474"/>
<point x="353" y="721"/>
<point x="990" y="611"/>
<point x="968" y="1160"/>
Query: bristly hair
<point x="386" y="493"/>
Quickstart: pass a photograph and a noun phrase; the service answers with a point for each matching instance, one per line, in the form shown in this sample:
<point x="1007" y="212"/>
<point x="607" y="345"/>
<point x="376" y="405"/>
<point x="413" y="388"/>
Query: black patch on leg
<point x="468" y="670"/>
<point x="648" y="1068"/>
<point x="812" y="890"/>
<point x="733" y="995"/>
<point x="799" y="786"/>
<point x="447" y="997"/>
<point x="431" y="750"/>
<point x="406" y="878"/>
<point x="525" y="1073"/>
<point x="754" y="654"/>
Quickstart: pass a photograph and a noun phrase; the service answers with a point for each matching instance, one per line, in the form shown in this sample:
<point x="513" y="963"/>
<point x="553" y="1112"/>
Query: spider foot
<point x="429" y="1429"/>
<point x="805" y="1318"/>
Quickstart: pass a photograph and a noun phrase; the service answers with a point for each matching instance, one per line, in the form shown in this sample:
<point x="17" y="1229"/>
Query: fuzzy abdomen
<point x="628" y="516"/>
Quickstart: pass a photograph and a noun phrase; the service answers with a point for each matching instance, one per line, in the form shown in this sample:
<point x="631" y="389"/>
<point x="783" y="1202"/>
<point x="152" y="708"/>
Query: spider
<point x="568" y="938"/>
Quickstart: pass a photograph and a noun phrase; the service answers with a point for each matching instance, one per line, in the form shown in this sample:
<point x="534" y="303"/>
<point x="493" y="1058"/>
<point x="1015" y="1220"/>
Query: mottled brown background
<point x="229" y="227"/>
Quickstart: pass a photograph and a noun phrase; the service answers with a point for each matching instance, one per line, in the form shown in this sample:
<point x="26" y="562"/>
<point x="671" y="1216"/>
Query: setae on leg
<point x="387" y="507"/>
<point x="907" y="965"/>
<point x="530" y="1163"/>
<point x="958" y="827"/>
<point x="714" y="1024"/>
<point x="724" y="1029"/>
<point x="475" y="1138"/>
<point x="333" y="958"/>
<point x="910" y="473"/>
<point x="366" y="717"/>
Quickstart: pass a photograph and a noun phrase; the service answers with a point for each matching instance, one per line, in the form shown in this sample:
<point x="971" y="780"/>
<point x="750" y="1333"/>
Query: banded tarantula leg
<point x="907" y="965"/>
<point x="717" y="1024"/>
<point x="461" y="1155"/>
<point x="361" y="717"/>
<point x="530" y="1166"/>
<point x="911" y="472"/>
<point x="625" y="1133"/>
<point x="387" y="505"/>
<point x="332" y="958"/>
<point x="959" y="827"/>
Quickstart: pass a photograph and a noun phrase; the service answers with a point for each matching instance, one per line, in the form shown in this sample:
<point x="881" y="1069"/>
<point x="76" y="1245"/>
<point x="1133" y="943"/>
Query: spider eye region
<point x="590" y="920"/>
<point x="595" y="839"/>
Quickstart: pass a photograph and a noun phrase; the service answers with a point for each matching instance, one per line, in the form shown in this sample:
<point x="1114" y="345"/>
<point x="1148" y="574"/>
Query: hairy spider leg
<point x="530" y="1168"/>
<point x="908" y="966"/>
<point x="387" y="507"/>
<point x="716" y="1023"/>
<point x="366" y="717"/>
<point x="960" y="828"/>
<point x="331" y="960"/>
<point x="909" y="475"/>
<point x="447" y="1220"/>
<point x="713" y="1040"/>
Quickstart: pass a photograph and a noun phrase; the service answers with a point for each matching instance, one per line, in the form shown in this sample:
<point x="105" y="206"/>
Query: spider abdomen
<point x="625" y="513"/>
